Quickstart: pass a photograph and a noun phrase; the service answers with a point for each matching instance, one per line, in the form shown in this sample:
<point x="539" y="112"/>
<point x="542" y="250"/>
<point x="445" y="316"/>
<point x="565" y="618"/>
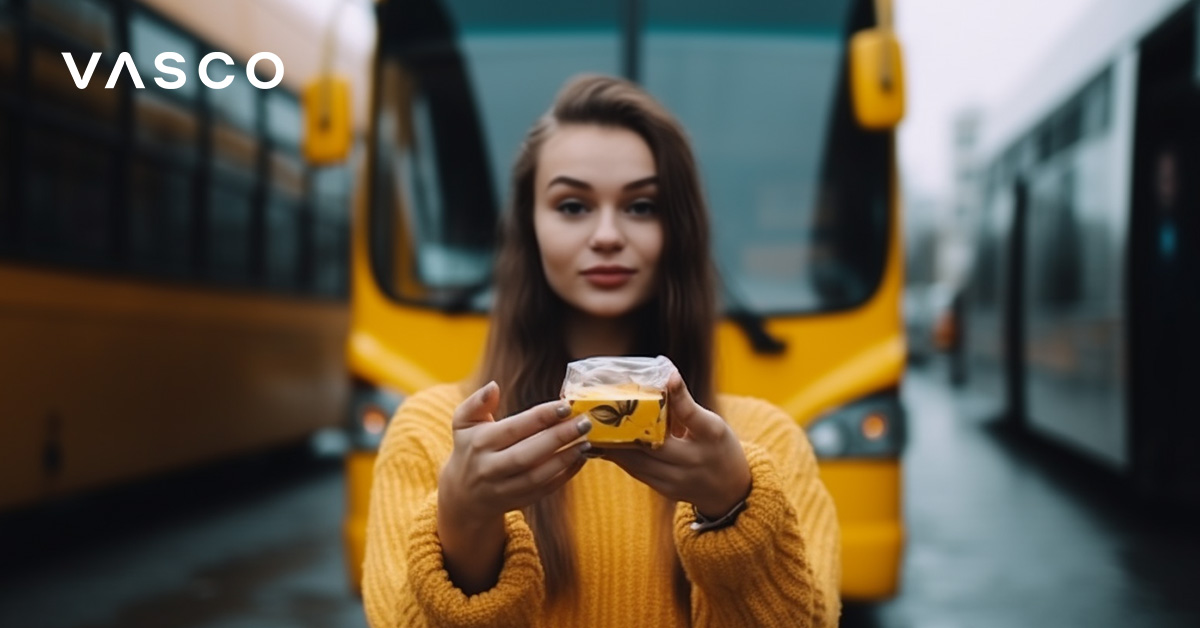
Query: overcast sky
<point x="960" y="52"/>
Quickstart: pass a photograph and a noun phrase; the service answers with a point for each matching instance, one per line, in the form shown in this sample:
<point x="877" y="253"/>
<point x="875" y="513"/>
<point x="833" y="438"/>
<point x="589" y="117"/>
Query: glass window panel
<point x="284" y="121"/>
<point x="67" y="208"/>
<point x="8" y="53"/>
<point x="150" y="37"/>
<point x="165" y="127"/>
<point x="230" y="205"/>
<point x="758" y="87"/>
<point x="331" y="191"/>
<point x="450" y="121"/>
<point x="235" y="103"/>
<point x="826" y="19"/>
<point x="90" y="23"/>
<point x="160" y="210"/>
<point x="283" y="241"/>
<point x="54" y="91"/>
<point x="331" y="200"/>
<point x="283" y="223"/>
<point x="229" y="224"/>
<point x="8" y="202"/>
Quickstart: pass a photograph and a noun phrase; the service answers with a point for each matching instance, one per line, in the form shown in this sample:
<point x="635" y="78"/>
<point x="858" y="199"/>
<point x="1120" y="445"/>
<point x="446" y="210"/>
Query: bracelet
<point x="704" y="524"/>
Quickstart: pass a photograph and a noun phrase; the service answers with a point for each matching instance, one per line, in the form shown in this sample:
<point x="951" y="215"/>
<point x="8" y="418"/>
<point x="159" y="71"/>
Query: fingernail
<point x="584" y="425"/>
<point x="486" y="391"/>
<point x="585" y="446"/>
<point x="563" y="411"/>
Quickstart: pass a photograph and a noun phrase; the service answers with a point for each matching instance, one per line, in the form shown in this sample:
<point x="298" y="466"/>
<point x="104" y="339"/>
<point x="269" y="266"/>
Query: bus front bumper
<point x="867" y="494"/>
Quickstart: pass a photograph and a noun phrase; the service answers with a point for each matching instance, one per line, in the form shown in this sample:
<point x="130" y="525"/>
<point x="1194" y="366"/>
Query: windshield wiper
<point x="752" y="324"/>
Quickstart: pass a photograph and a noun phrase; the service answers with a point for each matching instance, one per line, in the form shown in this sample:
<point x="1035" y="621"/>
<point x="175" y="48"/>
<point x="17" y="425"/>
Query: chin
<point x="606" y="308"/>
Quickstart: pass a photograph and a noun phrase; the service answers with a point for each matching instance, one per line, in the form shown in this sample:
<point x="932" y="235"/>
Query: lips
<point x="607" y="276"/>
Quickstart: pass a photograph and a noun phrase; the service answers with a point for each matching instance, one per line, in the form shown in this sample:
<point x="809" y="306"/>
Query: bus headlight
<point x="871" y="427"/>
<point x="371" y="407"/>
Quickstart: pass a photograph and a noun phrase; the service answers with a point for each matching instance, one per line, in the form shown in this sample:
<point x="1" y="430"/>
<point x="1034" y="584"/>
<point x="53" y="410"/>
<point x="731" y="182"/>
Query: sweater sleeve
<point x="405" y="582"/>
<point x="779" y="563"/>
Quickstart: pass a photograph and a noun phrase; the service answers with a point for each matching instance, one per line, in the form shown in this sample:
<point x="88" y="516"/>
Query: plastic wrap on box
<point x="624" y="397"/>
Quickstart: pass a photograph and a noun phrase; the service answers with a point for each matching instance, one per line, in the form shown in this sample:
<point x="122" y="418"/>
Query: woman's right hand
<point x="495" y="467"/>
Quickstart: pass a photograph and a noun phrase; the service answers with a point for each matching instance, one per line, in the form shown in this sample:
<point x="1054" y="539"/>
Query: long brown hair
<point x="526" y="351"/>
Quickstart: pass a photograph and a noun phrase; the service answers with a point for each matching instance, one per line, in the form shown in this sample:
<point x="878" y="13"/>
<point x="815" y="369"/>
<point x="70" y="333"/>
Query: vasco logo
<point x="125" y="60"/>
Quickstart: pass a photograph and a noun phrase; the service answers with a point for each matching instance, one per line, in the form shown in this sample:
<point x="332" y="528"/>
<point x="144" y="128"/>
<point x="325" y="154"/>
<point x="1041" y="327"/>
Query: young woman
<point x="482" y="515"/>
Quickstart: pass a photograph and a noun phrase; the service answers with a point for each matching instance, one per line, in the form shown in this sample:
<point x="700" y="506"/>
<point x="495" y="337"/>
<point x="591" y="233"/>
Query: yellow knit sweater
<point x="777" y="565"/>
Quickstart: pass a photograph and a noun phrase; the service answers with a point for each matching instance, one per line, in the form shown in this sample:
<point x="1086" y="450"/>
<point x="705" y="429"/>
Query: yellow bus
<point x="791" y="107"/>
<point x="173" y="274"/>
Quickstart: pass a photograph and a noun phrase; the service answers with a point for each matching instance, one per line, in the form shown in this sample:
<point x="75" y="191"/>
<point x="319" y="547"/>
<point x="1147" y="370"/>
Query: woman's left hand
<point x="701" y="462"/>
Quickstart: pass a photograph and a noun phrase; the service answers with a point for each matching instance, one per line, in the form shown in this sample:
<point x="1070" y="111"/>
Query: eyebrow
<point x="583" y="185"/>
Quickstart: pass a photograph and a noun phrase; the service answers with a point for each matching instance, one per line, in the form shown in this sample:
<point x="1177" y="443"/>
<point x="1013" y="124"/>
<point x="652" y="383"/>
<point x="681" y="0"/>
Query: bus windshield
<point x="798" y="193"/>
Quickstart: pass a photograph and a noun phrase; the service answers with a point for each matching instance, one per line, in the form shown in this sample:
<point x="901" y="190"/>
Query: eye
<point x="642" y="207"/>
<point x="572" y="207"/>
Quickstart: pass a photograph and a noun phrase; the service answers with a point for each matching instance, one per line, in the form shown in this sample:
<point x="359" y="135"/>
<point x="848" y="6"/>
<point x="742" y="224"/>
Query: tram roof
<point x="1108" y="28"/>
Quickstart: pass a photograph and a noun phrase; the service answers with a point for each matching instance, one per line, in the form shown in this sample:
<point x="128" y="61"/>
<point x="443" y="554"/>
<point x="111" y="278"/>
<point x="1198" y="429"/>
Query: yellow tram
<point x="173" y="273"/>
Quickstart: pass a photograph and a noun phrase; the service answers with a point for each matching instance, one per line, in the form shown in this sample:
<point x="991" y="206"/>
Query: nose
<point x="607" y="236"/>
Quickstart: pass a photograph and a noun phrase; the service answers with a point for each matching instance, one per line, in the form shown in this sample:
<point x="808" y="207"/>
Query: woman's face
<point x="596" y="218"/>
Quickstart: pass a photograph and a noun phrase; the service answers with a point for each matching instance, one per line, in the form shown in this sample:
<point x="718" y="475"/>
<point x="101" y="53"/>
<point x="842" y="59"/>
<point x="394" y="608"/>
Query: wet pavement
<point x="1009" y="530"/>
<point x="249" y="544"/>
<point x="1004" y="530"/>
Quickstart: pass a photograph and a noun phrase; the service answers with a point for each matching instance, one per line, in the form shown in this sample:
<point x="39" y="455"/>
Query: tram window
<point x="284" y="121"/>
<point x="159" y="216"/>
<point x="161" y="187"/>
<point x="7" y="202"/>
<point x="165" y="127"/>
<point x="327" y="253"/>
<point x="8" y="53"/>
<point x="229" y="224"/>
<point x="1060" y="240"/>
<point x="1068" y="126"/>
<point x="1043" y="142"/>
<point x="150" y="37"/>
<point x="1096" y="105"/>
<point x="331" y="188"/>
<point x="67" y="205"/>
<point x="986" y="269"/>
<point x="88" y="23"/>
<point x="55" y="92"/>
<point x="236" y="102"/>
<point x="283" y="242"/>
<point x="283" y="222"/>
<point x="230" y="205"/>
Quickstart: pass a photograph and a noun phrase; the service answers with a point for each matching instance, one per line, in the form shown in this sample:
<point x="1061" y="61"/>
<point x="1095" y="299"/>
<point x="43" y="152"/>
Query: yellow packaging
<point x="622" y="416"/>
<point x="624" y="396"/>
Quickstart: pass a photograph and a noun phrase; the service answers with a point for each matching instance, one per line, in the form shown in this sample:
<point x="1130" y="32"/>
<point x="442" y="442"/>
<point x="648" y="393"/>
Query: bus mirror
<point x="877" y="78"/>
<point x="327" y="131"/>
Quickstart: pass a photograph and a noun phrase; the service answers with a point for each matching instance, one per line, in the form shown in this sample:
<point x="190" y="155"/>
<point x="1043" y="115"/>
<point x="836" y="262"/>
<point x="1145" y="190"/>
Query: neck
<point x="589" y="336"/>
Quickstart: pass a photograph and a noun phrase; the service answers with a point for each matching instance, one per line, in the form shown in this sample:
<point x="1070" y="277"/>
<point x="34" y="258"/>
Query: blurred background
<point x="958" y="241"/>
